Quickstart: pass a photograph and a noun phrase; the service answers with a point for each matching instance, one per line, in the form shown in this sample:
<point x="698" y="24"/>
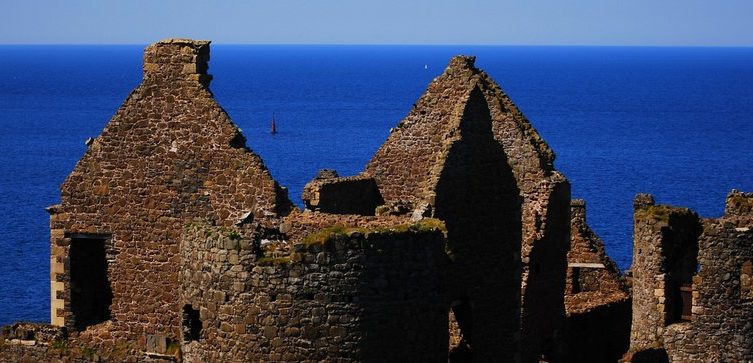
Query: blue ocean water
<point x="675" y="122"/>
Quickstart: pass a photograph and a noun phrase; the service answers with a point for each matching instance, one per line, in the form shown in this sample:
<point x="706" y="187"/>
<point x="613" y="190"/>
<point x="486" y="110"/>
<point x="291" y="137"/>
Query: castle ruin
<point x="459" y="241"/>
<point x="692" y="285"/>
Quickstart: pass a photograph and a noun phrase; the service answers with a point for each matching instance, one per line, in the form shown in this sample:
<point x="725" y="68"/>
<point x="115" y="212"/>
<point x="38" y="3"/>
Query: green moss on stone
<point x="274" y="260"/>
<point x="341" y="232"/>
<point x="658" y="212"/>
<point x="661" y="213"/>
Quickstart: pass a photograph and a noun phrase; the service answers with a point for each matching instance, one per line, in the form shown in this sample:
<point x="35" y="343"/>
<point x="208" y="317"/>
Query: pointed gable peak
<point x="460" y="62"/>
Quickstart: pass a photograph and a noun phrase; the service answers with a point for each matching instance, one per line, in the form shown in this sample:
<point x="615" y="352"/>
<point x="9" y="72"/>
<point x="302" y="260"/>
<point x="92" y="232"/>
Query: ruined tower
<point x="692" y="286"/>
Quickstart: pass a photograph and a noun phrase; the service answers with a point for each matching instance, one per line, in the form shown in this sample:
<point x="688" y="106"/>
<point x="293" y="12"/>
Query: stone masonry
<point x="169" y="154"/>
<point x="466" y="155"/>
<point x="597" y="299"/>
<point x="172" y="241"/>
<point x="691" y="286"/>
<point x="331" y="194"/>
<point x="458" y="242"/>
<point x="350" y="293"/>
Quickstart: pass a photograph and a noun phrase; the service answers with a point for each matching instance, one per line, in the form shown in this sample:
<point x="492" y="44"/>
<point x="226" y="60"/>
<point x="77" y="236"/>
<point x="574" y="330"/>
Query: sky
<point x="499" y="22"/>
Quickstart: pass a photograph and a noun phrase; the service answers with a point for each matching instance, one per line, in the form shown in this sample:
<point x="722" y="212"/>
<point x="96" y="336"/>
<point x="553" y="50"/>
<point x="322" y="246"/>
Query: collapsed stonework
<point x="459" y="242"/>
<point x="692" y="282"/>
<point x="597" y="299"/>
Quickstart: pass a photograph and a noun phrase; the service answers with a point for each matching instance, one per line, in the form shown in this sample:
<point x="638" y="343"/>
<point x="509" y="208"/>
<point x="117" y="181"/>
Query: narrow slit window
<point x="191" y="324"/>
<point x="576" y="288"/>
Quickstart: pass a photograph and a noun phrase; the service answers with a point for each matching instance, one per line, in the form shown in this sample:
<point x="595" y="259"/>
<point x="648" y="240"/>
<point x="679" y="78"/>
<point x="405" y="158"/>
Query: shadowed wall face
<point x="478" y="199"/>
<point x="597" y="299"/>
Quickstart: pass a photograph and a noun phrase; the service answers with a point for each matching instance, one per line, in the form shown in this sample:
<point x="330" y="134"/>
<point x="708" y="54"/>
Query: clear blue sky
<point x="532" y="22"/>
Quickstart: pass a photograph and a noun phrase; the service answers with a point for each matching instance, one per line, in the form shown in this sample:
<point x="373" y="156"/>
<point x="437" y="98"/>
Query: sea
<point x="674" y="122"/>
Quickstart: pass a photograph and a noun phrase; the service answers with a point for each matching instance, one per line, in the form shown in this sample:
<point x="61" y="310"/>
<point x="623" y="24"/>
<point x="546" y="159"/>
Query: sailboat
<point x="274" y="127"/>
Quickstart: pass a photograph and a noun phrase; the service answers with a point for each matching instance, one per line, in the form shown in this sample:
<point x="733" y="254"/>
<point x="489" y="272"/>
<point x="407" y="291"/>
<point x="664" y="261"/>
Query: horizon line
<point x="402" y="44"/>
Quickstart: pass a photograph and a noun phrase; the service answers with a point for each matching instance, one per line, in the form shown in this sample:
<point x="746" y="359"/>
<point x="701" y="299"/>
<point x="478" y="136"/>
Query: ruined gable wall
<point x="416" y="142"/>
<point x="430" y="130"/>
<point x="596" y="298"/>
<point x="545" y="222"/>
<point x="403" y="163"/>
<point x="169" y="154"/>
<point x="601" y="285"/>
<point x="354" y="293"/>
<point x="478" y="199"/>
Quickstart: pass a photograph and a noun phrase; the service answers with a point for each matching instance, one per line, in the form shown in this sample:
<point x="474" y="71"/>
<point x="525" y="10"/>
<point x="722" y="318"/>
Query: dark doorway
<point x="91" y="295"/>
<point x="191" y="324"/>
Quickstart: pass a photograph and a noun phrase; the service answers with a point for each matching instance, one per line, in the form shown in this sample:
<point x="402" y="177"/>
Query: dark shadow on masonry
<point x="478" y="198"/>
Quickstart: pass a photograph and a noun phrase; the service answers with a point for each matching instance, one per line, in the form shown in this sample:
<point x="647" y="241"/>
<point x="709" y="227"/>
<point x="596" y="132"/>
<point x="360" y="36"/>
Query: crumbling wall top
<point x="349" y="195"/>
<point x="739" y="204"/>
<point x="463" y="62"/>
<point x="177" y="59"/>
<point x="578" y="210"/>
<point x="593" y="279"/>
<point x="643" y="200"/>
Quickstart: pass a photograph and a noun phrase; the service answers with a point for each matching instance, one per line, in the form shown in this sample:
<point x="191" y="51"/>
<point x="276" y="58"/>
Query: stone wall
<point x="463" y="151"/>
<point x="664" y="237"/>
<point x="739" y="207"/>
<point x="593" y="278"/>
<point x="596" y="297"/>
<point x="483" y="229"/>
<point x="34" y="342"/>
<point x="347" y="293"/>
<point x="546" y="228"/>
<point x="414" y="146"/>
<point x="329" y="193"/>
<point x="169" y="154"/>
<point x="720" y="326"/>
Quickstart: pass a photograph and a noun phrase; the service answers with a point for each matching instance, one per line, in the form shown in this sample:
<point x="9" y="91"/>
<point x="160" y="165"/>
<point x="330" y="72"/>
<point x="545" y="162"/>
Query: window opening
<point x="191" y="324"/>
